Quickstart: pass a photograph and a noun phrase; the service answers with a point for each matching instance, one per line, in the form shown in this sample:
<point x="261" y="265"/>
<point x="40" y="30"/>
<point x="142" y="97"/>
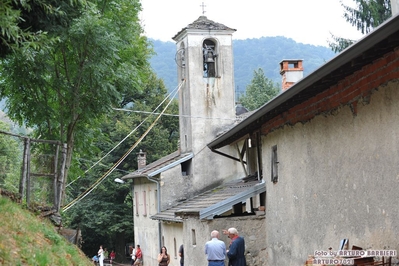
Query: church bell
<point x="209" y="57"/>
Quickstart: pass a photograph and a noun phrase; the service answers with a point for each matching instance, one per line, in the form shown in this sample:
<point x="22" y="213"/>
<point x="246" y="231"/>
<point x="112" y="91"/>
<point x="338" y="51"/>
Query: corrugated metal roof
<point x="213" y="202"/>
<point x="161" y="165"/>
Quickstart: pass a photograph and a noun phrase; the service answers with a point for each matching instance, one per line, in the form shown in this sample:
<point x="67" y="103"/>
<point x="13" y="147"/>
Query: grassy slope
<point x="28" y="240"/>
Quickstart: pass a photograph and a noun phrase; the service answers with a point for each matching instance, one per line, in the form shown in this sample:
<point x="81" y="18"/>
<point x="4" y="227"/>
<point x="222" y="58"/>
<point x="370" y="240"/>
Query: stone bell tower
<point x="204" y="61"/>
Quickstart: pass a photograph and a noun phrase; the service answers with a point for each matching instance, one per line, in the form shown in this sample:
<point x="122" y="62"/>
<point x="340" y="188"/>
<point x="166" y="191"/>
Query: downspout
<point x="158" y="203"/>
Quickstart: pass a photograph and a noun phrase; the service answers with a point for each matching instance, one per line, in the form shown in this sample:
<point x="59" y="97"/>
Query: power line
<point x="102" y="178"/>
<point x="128" y="135"/>
<point x="188" y="116"/>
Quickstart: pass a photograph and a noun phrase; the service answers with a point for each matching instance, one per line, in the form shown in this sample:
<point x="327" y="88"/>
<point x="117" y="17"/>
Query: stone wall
<point x="252" y="228"/>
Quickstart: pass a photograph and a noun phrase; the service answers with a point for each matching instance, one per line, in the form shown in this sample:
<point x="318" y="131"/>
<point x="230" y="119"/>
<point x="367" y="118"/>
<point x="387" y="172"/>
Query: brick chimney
<point x="291" y="70"/>
<point x="141" y="159"/>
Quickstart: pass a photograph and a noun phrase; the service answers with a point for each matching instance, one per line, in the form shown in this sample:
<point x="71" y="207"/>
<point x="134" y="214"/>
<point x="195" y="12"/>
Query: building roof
<point x="213" y="202"/>
<point x="382" y="40"/>
<point x="203" y="23"/>
<point x="161" y="165"/>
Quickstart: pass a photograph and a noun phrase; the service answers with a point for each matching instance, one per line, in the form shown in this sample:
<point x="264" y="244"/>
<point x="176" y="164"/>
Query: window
<point x="175" y="247"/>
<point x="209" y="57"/>
<point x="144" y="203"/>
<point x="136" y="197"/>
<point x="186" y="168"/>
<point x="193" y="238"/>
<point x="274" y="166"/>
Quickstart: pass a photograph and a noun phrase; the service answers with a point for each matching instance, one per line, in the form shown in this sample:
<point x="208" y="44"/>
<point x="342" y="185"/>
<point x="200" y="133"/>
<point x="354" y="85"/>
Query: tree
<point x="365" y="17"/>
<point x="64" y="90"/>
<point x="25" y="24"/>
<point x="10" y="160"/>
<point x="111" y="203"/>
<point x="260" y="91"/>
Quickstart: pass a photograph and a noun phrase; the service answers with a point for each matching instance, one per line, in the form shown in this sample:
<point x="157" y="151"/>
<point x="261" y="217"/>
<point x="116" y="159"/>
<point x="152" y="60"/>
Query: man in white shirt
<point x="215" y="250"/>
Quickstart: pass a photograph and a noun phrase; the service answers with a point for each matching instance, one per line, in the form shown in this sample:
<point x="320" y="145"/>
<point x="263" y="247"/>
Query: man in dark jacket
<point x="236" y="252"/>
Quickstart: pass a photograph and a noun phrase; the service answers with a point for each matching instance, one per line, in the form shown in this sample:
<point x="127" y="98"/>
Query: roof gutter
<point x="386" y="29"/>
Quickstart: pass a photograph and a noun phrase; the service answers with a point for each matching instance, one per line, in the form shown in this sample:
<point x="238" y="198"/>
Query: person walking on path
<point x="181" y="254"/>
<point x="133" y="255"/>
<point x="163" y="257"/>
<point x="236" y="252"/>
<point x="112" y="256"/>
<point x="215" y="250"/>
<point x="100" y="254"/>
<point x="139" y="256"/>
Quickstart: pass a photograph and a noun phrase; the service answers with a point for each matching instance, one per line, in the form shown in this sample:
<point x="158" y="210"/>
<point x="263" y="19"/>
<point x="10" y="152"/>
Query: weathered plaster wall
<point x="338" y="178"/>
<point x="250" y="227"/>
<point x="208" y="104"/>
<point x="145" y="229"/>
<point x="172" y="235"/>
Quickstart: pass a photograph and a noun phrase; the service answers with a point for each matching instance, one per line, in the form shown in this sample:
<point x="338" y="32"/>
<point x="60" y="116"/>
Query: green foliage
<point x="367" y="15"/>
<point x="260" y="91"/>
<point x="28" y="240"/>
<point x="25" y="24"/>
<point x="10" y="160"/>
<point x="63" y="91"/>
<point x="105" y="215"/>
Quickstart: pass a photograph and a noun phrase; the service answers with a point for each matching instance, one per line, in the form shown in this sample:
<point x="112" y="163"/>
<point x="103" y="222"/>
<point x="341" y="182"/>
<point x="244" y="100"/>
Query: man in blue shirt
<point x="215" y="250"/>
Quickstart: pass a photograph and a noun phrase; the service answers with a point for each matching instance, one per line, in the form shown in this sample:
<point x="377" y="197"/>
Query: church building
<point x="181" y="198"/>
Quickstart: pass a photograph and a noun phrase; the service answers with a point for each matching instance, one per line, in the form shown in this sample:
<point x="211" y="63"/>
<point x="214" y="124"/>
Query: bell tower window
<point x="209" y="58"/>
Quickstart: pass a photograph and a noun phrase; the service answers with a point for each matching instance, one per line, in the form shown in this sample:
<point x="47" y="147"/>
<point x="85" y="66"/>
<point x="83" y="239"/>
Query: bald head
<point x="215" y="234"/>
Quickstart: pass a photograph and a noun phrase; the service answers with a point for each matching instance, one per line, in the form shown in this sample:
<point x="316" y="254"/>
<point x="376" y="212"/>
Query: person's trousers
<point x="215" y="262"/>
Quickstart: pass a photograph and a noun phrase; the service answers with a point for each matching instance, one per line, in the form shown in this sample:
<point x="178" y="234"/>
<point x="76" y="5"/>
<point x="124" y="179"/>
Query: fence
<point x="35" y="167"/>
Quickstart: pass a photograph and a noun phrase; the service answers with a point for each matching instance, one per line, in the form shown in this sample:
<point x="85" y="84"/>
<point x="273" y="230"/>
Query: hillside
<point x="249" y="55"/>
<point x="27" y="240"/>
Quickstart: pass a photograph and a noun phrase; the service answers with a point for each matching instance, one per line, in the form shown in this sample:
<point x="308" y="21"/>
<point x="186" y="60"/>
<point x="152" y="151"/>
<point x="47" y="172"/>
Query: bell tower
<point x="204" y="61"/>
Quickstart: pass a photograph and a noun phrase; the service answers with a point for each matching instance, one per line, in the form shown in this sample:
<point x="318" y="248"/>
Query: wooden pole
<point x="55" y="185"/>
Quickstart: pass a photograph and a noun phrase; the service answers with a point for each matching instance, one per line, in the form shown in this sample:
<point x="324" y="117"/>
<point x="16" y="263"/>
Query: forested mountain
<point x="249" y="55"/>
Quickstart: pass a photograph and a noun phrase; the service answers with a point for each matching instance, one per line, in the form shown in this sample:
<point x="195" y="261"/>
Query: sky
<point x="304" y="21"/>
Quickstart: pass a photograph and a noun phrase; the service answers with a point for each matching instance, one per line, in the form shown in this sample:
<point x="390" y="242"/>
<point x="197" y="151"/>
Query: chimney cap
<point x="291" y="60"/>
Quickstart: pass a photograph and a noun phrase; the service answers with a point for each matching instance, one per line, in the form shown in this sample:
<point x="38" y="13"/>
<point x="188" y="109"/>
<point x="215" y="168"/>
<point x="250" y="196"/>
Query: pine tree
<point x="367" y="15"/>
<point x="260" y="91"/>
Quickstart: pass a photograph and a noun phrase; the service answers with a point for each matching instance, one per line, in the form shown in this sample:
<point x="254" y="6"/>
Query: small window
<point x="209" y="57"/>
<point x="144" y="203"/>
<point x="193" y="237"/>
<point x="136" y="197"/>
<point x="175" y="247"/>
<point x="186" y="168"/>
<point x="274" y="166"/>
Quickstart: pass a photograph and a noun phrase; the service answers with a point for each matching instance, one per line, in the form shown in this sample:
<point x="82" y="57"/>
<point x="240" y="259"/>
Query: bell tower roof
<point x="203" y="24"/>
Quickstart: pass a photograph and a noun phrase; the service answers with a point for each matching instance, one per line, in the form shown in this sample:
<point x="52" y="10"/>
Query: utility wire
<point x="128" y="135"/>
<point x="90" y="189"/>
<point x="189" y="116"/>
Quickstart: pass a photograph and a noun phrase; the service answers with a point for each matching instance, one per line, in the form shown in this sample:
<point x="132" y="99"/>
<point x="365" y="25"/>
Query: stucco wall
<point x="338" y="178"/>
<point x="172" y="238"/>
<point x="206" y="104"/>
<point x="145" y="229"/>
<point x="250" y="227"/>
